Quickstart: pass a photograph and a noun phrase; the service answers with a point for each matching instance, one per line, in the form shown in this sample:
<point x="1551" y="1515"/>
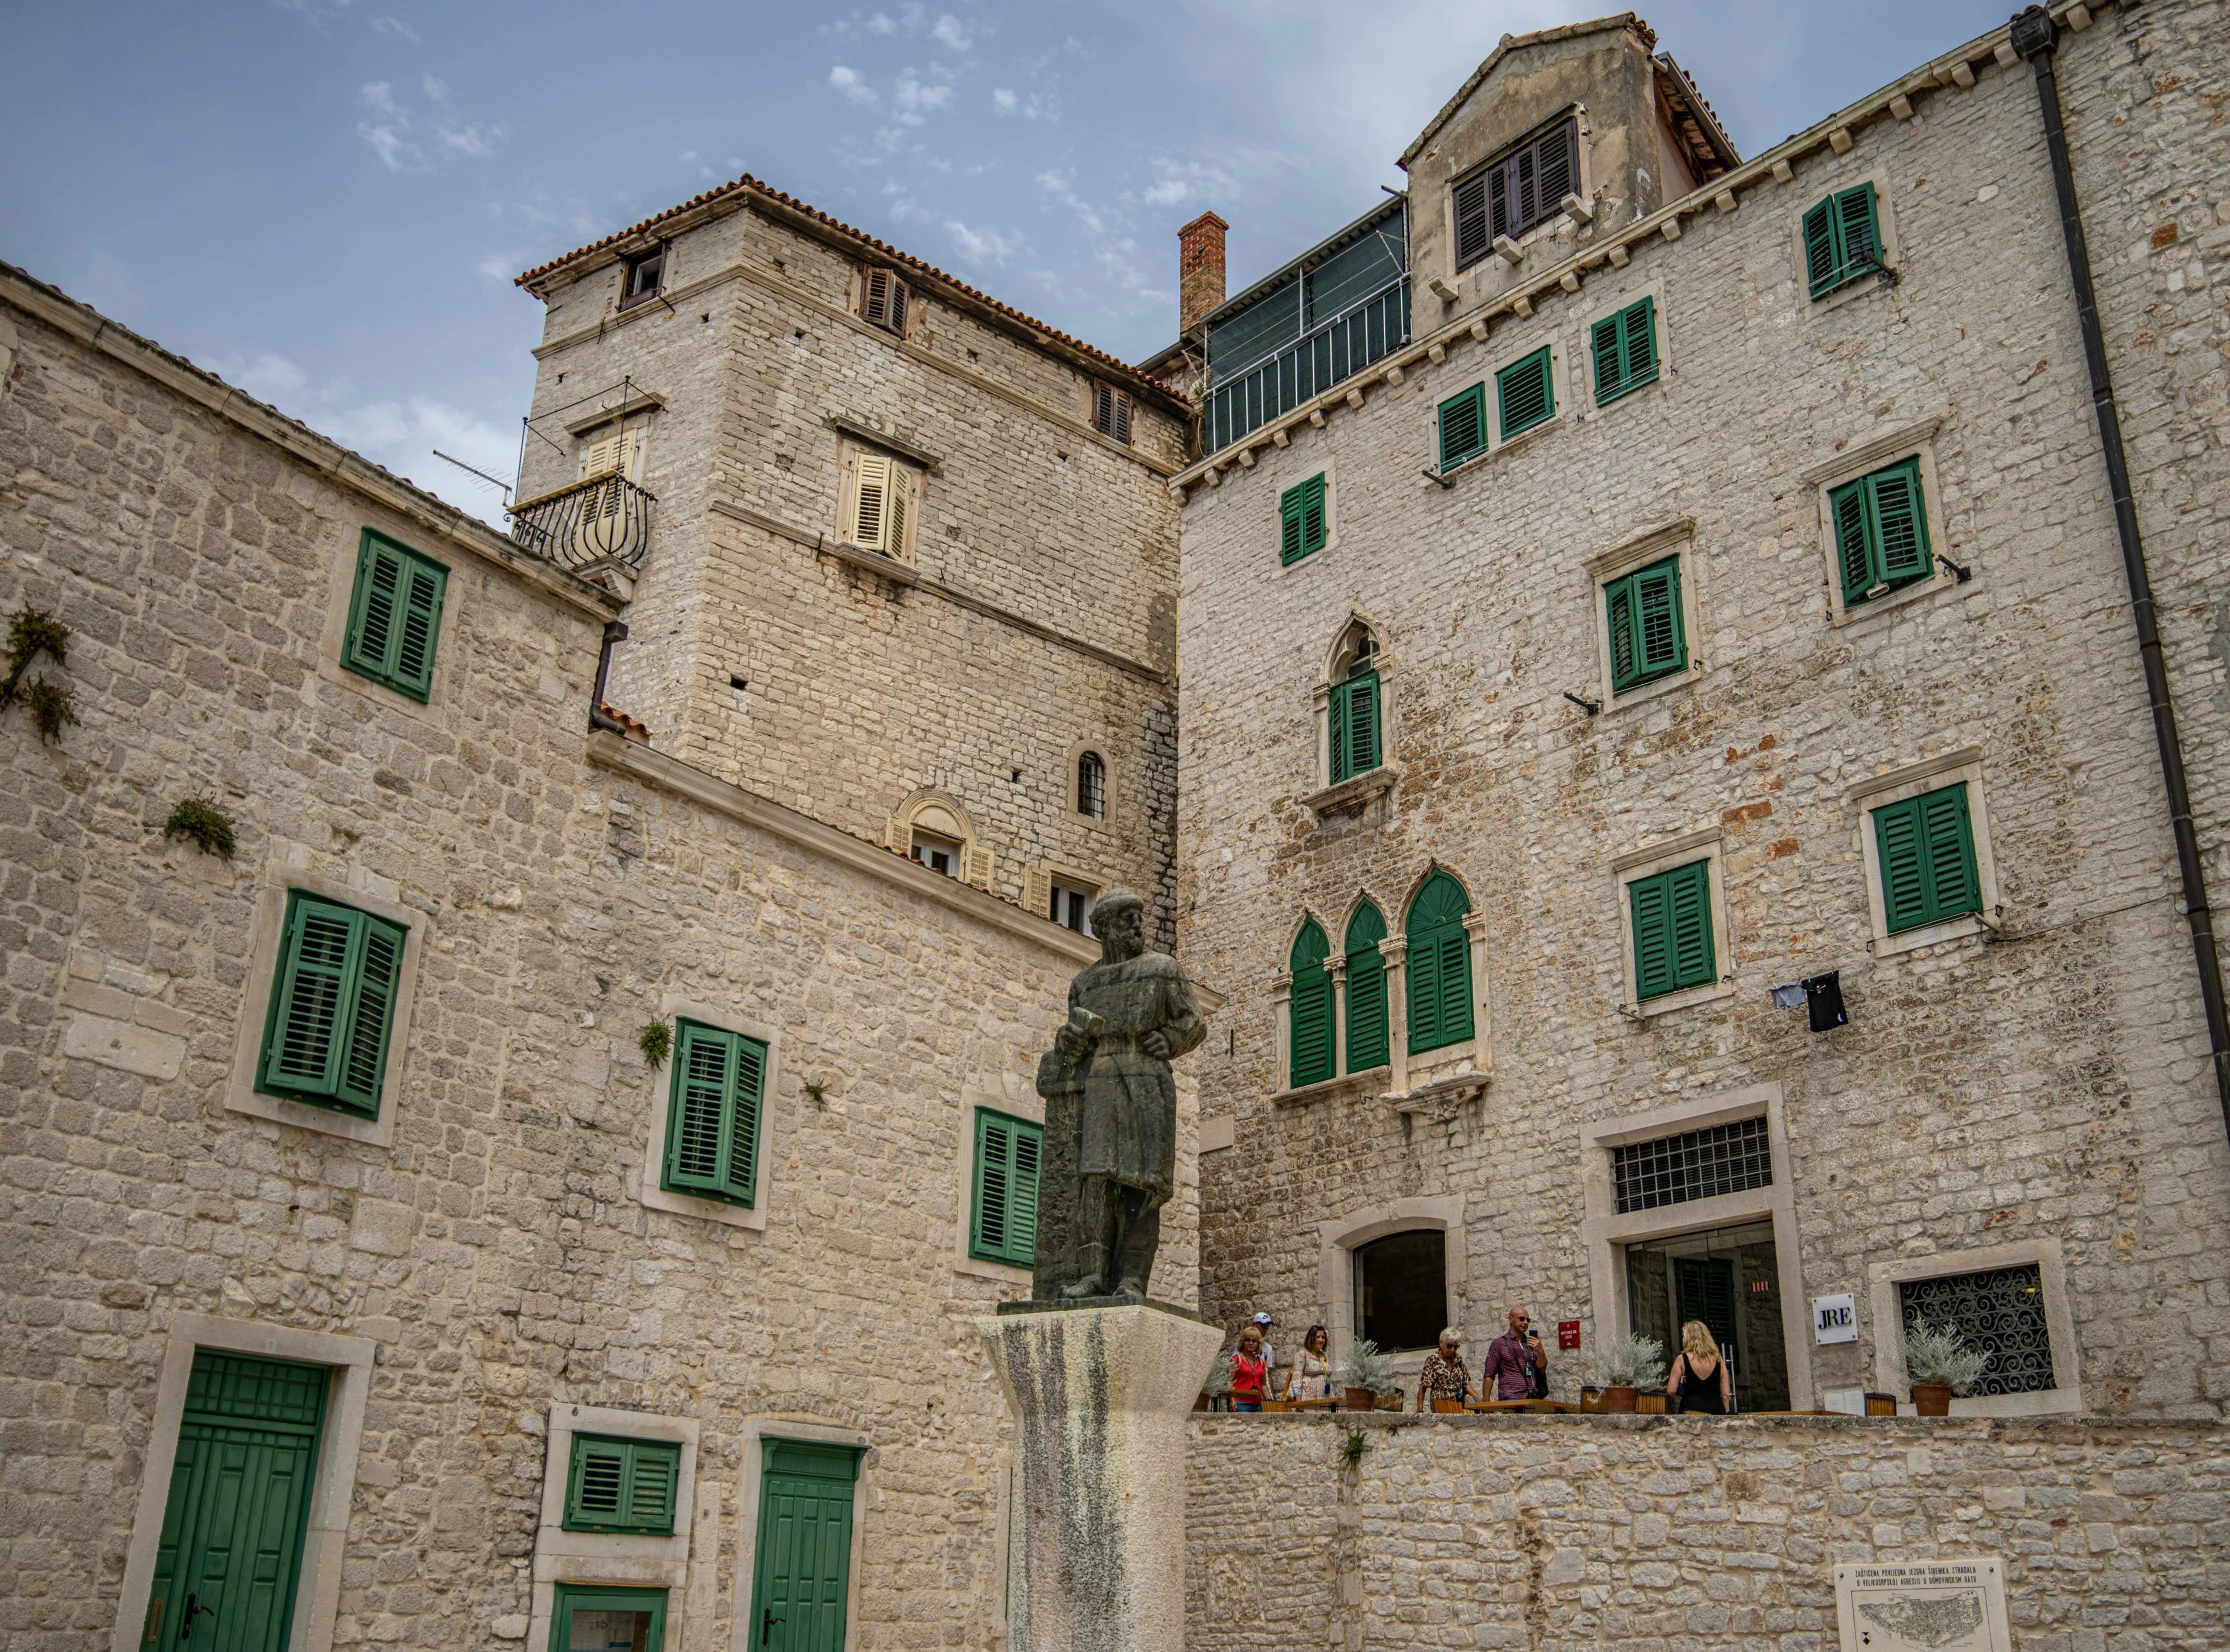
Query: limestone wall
<point x="1564" y="1532"/>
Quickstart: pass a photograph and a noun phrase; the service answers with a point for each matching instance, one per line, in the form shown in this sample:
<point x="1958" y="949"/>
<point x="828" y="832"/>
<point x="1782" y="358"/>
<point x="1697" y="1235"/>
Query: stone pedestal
<point x="1101" y="1396"/>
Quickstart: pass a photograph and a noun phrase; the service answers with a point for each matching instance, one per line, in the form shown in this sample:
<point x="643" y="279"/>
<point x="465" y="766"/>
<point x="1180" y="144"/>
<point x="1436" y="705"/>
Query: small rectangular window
<point x="1672" y="931"/>
<point x="2000" y="1312"/>
<point x="1516" y="191"/>
<point x="1071" y="906"/>
<point x="1925" y="847"/>
<point x="1111" y="411"/>
<point x="713" y="1113"/>
<point x="1648" y="634"/>
<point x="883" y="299"/>
<point x="881" y="504"/>
<point x="1625" y="351"/>
<point x="645" y="273"/>
<point x="1525" y="394"/>
<point x="332" y="1006"/>
<point x="394" y="616"/>
<point x="587" y="1617"/>
<point x="617" y="1485"/>
<point x="1881" y="532"/>
<point x="1697" y="1164"/>
<point x="1301" y="520"/>
<point x="1005" y="1224"/>
<point x="940" y="854"/>
<point x="1355" y="725"/>
<point x="1842" y="239"/>
<point x="1463" y="426"/>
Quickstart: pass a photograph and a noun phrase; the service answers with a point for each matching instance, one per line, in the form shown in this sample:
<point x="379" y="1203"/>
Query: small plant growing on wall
<point x="202" y="824"/>
<point x="1353" y="1447"/>
<point x="656" y="1041"/>
<point x="32" y="632"/>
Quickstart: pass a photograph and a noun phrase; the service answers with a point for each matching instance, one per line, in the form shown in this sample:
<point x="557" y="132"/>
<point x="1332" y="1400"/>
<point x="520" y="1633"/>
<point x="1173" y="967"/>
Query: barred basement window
<point x="882" y="301"/>
<point x="1698" y="1164"/>
<point x="1111" y="409"/>
<point x="622" y="1485"/>
<point x="2000" y="1312"/>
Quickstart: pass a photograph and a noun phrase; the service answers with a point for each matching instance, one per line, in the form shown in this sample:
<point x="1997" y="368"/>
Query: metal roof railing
<point x="1298" y="372"/>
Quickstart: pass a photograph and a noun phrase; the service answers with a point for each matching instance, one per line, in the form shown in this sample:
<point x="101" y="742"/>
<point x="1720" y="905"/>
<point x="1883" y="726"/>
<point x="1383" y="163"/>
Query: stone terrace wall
<point x="1555" y="1534"/>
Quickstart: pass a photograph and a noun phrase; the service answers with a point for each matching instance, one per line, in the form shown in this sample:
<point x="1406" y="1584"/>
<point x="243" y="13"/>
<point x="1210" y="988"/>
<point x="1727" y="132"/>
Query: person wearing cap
<point x="1262" y="1323"/>
<point x="1444" y="1377"/>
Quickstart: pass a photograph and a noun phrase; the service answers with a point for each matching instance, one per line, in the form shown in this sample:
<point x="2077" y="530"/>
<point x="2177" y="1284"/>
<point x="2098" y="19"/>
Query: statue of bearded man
<point x="1111" y="1102"/>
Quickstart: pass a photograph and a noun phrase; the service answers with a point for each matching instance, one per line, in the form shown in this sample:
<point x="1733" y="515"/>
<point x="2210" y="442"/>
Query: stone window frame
<point x="1037" y="888"/>
<point x="1583" y="169"/>
<point x="906" y="470"/>
<point x="1104" y="821"/>
<point x="1627" y="297"/>
<point x="1646" y="860"/>
<point x="810" y="1430"/>
<point x="1876" y="791"/>
<point x="620" y="1560"/>
<point x="1468" y="1063"/>
<point x="1605" y="1233"/>
<point x="1340" y="1238"/>
<point x="1885" y="225"/>
<point x="1651" y="545"/>
<point x="646" y="1190"/>
<point x="629" y="263"/>
<point x="2063" y="1398"/>
<point x="317" y="1595"/>
<point x="1276" y="492"/>
<point x="976" y="858"/>
<point x="1031" y="1110"/>
<point x="1862" y="456"/>
<point x="1372" y="783"/>
<point x="358" y="888"/>
<point x="340" y="599"/>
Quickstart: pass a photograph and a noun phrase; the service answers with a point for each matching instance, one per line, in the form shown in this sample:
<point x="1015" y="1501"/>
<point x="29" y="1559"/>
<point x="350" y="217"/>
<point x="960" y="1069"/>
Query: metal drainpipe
<point x="614" y="631"/>
<point x="2033" y="39"/>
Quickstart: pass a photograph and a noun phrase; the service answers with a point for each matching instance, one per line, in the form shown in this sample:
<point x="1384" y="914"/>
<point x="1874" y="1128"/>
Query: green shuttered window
<point x="1311" y="1009"/>
<point x="1525" y="394"/>
<point x="1005" y="1224"/>
<point x="394" y="617"/>
<point x="1354" y="731"/>
<point x="332" y="1006"/>
<point x="1881" y="532"/>
<point x="1463" y="427"/>
<point x="1649" y="636"/>
<point x="618" y="1485"/>
<point x="1842" y="239"/>
<point x="1672" y="930"/>
<point x="1926" y="849"/>
<point x="1625" y="351"/>
<point x="1367" y="1044"/>
<point x="1439" y="965"/>
<point x="1301" y="520"/>
<point x="712" y="1120"/>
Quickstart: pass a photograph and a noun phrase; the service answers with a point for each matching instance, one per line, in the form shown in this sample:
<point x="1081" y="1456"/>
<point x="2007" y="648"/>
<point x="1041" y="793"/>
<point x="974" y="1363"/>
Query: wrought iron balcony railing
<point x="597" y="520"/>
<point x="1303" y="370"/>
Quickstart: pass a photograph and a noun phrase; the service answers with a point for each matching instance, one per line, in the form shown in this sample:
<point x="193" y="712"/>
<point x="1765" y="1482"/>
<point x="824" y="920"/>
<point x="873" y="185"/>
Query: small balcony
<point x="597" y="522"/>
<point x="1251" y="397"/>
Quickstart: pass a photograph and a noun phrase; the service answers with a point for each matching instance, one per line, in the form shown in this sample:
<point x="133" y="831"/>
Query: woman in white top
<point x="1309" y="1377"/>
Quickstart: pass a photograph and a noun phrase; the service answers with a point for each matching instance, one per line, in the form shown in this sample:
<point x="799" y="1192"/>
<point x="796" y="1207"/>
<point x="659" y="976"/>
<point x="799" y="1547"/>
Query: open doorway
<point x="1728" y="1278"/>
<point x="1401" y="1289"/>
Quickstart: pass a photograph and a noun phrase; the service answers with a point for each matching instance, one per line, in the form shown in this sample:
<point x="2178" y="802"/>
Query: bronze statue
<point x="1111" y="1113"/>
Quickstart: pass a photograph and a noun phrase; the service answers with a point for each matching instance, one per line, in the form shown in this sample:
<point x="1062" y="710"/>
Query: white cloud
<point x="983" y="245"/>
<point x="1039" y="105"/>
<point x="436" y="90"/>
<point x="916" y="101"/>
<point x="1061" y="186"/>
<point x="388" y="125"/>
<point x="396" y="27"/>
<point x="474" y="139"/>
<point x="269" y="377"/>
<point x="848" y="81"/>
<point x="949" y="34"/>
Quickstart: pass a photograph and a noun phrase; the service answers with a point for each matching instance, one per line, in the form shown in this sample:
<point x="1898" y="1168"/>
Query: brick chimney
<point x="1199" y="269"/>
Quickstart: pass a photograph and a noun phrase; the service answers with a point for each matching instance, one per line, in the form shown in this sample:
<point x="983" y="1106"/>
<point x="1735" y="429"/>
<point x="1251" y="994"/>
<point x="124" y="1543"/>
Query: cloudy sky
<point x="326" y="200"/>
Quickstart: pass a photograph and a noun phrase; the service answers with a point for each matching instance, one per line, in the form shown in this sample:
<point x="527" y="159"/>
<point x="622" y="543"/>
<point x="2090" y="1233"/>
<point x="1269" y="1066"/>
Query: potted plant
<point x="1939" y="1364"/>
<point x="1628" y="1363"/>
<point x="1367" y="1373"/>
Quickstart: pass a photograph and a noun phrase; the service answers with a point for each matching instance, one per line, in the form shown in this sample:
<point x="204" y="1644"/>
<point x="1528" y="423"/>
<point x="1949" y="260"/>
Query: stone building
<point x="1713" y="586"/>
<point x="915" y="555"/>
<point x="369" y="1280"/>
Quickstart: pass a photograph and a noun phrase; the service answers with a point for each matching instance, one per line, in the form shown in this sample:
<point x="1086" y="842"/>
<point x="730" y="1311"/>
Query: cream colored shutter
<point x="1037" y="893"/>
<point x="601" y="457"/>
<point x="894" y="834"/>
<point x="871" y="503"/>
<point x="979" y="867"/>
<point x="901" y="490"/>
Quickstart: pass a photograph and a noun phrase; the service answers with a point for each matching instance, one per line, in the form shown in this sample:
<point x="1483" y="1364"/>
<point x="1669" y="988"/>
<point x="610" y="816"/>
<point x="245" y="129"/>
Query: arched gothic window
<point x="1311" y="1010"/>
<point x="1439" y="965"/>
<point x="1355" y="733"/>
<point x="1366" y="990"/>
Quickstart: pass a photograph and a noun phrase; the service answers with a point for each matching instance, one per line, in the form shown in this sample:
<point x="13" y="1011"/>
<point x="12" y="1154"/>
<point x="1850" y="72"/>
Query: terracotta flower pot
<point x="1360" y="1399"/>
<point x="1932" y="1399"/>
<point x="1619" y="1397"/>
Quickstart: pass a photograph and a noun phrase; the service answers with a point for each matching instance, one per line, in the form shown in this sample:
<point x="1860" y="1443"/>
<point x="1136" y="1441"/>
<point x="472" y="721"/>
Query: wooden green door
<point x="239" y="1508"/>
<point x="805" y="1547"/>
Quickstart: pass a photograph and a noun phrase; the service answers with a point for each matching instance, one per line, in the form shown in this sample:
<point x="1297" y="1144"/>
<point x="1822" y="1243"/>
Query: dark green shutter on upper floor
<point x="1438" y="965"/>
<point x="1881" y="532"/>
<point x="332" y="1006"/>
<point x="1525" y="394"/>
<point x="394" y="617"/>
<point x="1625" y="351"/>
<point x="1463" y="427"/>
<point x="1004" y="1224"/>
<point x="1367" y="1042"/>
<point x="1648" y="633"/>
<point x="621" y="1485"/>
<point x="1310" y="1029"/>
<point x="1301" y="520"/>
<point x="1672" y="930"/>
<point x="712" y="1118"/>
<point x="1354" y="732"/>
<point x="1842" y="239"/>
<point x="1925" y="846"/>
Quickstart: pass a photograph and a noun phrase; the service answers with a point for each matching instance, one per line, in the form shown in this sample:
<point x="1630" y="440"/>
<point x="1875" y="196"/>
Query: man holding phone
<point x="1517" y="1365"/>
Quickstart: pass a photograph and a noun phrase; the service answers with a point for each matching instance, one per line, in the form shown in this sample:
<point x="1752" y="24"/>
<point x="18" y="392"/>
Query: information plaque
<point x="1926" y="1606"/>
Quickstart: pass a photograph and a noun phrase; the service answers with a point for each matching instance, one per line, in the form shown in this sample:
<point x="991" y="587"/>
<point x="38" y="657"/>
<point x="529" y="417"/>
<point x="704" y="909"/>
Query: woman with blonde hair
<point x="1699" y="1376"/>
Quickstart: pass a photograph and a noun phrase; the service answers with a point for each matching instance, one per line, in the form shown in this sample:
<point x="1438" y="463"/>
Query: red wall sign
<point x="1567" y="1333"/>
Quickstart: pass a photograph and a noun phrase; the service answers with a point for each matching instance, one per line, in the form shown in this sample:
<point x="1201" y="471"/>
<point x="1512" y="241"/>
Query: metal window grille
<point x="1091" y="786"/>
<point x="2001" y="1312"/>
<point x="1728" y="1158"/>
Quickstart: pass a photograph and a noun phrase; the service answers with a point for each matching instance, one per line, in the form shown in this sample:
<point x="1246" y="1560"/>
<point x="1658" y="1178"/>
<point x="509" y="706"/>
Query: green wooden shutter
<point x="1626" y="665"/>
<point x="1625" y="348"/>
<point x="1301" y="520"/>
<point x="1290" y="545"/>
<point x="1842" y="239"/>
<point x="1899" y="522"/>
<point x="621" y="1485"/>
<point x="1421" y="969"/>
<point x="332" y="1006"/>
<point x="1362" y="723"/>
<point x="1367" y="1041"/>
<point x="1694" y="958"/>
<point x="1310" y="1032"/>
<point x="1925" y="846"/>
<point x="1524" y="394"/>
<point x="1463" y="426"/>
<point x="1821" y="266"/>
<point x="1854" y="552"/>
<point x="1662" y="638"/>
<point x="1454" y="982"/>
<point x="395" y="616"/>
<point x="1335" y="734"/>
<point x="1005" y="1227"/>
<point x="712" y="1118"/>
<point x="1673" y="944"/>
<point x="1438" y="965"/>
<point x="802" y="1568"/>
